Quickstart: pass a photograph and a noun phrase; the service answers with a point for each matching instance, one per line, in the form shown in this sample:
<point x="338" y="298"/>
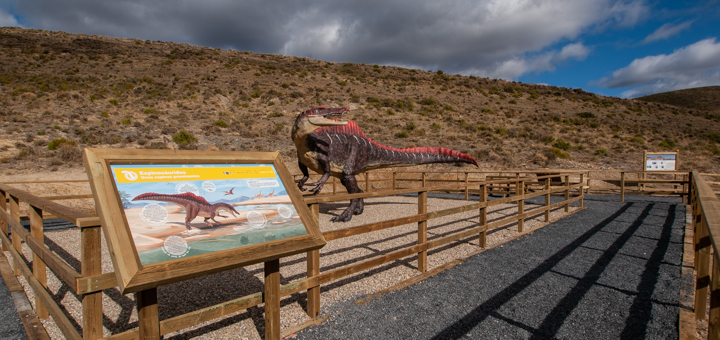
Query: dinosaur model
<point x="340" y="149"/>
<point x="193" y="204"/>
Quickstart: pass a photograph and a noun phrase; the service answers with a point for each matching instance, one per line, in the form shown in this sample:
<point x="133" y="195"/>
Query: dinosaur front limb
<point x="301" y="182"/>
<point x="325" y="163"/>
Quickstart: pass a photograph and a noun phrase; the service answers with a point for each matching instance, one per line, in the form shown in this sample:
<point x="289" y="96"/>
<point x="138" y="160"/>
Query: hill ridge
<point x="62" y="92"/>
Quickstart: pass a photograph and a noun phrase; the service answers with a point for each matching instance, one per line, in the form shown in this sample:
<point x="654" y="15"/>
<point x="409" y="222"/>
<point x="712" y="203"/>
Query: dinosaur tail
<point x="423" y="155"/>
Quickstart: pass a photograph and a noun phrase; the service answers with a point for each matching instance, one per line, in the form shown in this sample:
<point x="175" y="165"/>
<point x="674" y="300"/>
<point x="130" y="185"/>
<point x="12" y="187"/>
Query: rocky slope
<point x="61" y="92"/>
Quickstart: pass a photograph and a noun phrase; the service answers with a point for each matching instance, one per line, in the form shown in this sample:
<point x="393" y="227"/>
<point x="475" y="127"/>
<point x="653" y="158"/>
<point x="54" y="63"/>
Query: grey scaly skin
<point x="340" y="149"/>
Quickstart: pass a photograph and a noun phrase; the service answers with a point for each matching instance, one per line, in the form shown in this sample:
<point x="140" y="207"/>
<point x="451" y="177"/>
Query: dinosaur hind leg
<point x="356" y="205"/>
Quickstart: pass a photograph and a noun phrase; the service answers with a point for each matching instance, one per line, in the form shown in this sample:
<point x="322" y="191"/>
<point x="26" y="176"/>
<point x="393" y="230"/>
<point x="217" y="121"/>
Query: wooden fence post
<point x="482" y="219"/>
<point x="714" y="322"/>
<point x="39" y="270"/>
<point x="423" y="179"/>
<point x="622" y="186"/>
<point x="3" y="224"/>
<point x="702" y="252"/>
<point x="422" y="230"/>
<point x="567" y="193"/>
<point x="467" y="190"/>
<point x="521" y="205"/>
<point x="147" y="308"/>
<point x="16" y="242"/>
<point x="582" y="193"/>
<point x="334" y="185"/>
<point x="91" y="264"/>
<point x="367" y="182"/>
<point x="272" y="300"/>
<point x="313" y="269"/>
<point x="547" y="199"/>
<point x="394" y="178"/>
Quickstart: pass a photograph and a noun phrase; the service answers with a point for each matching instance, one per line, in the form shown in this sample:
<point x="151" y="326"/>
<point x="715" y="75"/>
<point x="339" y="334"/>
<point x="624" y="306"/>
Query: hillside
<point x="61" y="92"/>
<point x="700" y="98"/>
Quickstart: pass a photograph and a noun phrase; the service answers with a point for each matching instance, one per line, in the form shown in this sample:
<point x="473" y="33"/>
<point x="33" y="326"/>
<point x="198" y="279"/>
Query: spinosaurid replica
<point x="194" y="205"/>
<point x="337" y="148"/>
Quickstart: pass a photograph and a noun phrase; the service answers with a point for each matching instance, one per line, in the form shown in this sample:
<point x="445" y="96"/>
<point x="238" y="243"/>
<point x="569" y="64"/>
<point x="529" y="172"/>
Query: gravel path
<point x="610" y="271"/>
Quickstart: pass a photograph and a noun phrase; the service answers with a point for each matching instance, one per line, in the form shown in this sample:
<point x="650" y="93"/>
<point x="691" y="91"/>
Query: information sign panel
<point x="172" y="215"/>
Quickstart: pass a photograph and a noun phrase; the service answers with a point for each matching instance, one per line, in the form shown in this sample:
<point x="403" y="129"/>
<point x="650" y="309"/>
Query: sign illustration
<point x="176" y="211"/>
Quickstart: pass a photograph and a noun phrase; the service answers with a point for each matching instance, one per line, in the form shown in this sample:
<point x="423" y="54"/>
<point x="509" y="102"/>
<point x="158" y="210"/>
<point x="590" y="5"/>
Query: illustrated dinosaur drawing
<point x="194" y="205"/>
<point x="229" y="192"/>
<point x="340" y="149"/>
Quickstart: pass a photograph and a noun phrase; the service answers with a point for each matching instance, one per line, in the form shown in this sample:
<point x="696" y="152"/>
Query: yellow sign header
<point x="149" y="174"/>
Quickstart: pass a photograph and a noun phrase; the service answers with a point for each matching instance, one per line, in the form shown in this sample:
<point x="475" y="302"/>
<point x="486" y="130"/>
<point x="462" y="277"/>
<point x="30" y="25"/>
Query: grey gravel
<point x="610" y="271"/>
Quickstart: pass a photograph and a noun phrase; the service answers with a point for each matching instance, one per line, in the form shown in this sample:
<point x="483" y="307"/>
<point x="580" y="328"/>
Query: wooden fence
<point x="705" y="208"/>
<point x="515" y="186"/>
<point x="672" y="183"/>
<point x="90" y="281"/>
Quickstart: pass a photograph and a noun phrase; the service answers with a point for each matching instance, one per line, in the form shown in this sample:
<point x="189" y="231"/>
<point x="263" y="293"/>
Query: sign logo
<point x="130" y="175"/>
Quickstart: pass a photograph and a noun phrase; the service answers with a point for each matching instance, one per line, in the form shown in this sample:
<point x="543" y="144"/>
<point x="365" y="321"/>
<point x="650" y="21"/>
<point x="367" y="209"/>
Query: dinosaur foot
<point x="346" y="216"/>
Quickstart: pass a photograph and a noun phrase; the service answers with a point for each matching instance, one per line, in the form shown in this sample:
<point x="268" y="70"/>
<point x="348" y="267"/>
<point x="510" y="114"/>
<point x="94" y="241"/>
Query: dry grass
<point x="106" y="92"/>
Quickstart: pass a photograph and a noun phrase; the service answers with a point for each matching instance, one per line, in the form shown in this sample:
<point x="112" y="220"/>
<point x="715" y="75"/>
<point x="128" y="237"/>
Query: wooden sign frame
<point x="645" y="160"/>
<point x="132" y="275"/>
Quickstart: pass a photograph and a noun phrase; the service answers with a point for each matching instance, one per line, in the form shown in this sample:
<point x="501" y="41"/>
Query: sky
<point x="624" y="48"/>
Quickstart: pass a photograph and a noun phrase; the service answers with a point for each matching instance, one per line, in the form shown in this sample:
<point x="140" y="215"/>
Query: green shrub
<point x="150" y="111"/>
<point x="275" y="114"/>
<point x="668" y="144"/>
<point x="586" y="115"/>
<point x="390" y="112"/>
<point x="410" y="126"/>
<point x="428" y="101"/>
<point x="221" y="123"/>
<point x="559" y="153"/>
<point x="563" y="145"/>
<point x="184" y="138"/>
<point x="271" y="103"/>
<point x="601" y="152"/>
<point x="403" y="134"/>
<point x="113" y="101"/>
<point x="436" y="126"/>
<point x="126" y="121"/>
<point x="488" y="110"/>
<point x="500" y="130"/>
<point x="41" y="132"/>
<point x="56" y="143"/>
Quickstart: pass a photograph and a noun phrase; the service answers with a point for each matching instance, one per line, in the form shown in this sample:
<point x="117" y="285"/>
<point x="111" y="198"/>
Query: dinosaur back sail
<point x="385" y="155"/>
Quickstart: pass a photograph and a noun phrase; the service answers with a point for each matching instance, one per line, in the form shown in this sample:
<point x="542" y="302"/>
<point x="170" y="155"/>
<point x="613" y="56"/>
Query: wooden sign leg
<point x="148" y="319"/>
<point x="272" y="300"/>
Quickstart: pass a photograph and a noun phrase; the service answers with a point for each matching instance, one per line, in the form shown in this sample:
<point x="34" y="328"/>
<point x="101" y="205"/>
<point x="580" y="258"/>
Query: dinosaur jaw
<point x="322" y="121"/>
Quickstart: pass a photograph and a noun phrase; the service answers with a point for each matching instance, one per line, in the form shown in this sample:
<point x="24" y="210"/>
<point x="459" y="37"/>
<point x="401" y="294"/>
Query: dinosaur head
<point x="309" y="121"/>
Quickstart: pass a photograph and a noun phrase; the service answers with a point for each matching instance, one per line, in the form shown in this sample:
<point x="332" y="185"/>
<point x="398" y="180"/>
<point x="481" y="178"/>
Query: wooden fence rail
<point x="706" y="225"/>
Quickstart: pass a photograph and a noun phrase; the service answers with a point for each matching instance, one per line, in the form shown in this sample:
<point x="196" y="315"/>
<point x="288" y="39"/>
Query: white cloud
<point x="666" y="31"/>
<point x="7" y="19"/>
<point x="515" y="67"/>
<point x="576" y="51"/>
<point x="694" y="65"/>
